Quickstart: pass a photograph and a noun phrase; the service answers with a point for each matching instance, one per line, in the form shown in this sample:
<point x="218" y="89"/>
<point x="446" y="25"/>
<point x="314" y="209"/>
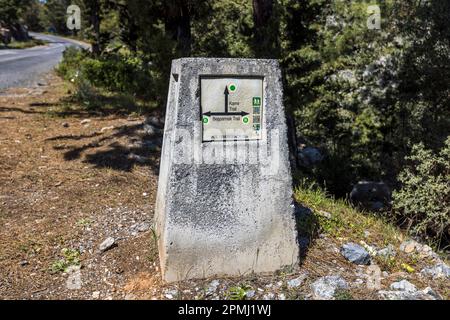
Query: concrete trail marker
<point x="225" y="189"/>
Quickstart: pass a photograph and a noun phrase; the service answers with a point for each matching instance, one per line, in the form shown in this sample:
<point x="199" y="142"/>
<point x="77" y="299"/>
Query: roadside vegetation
<point x="23" y="44"/>
<point x="373" y="101"/>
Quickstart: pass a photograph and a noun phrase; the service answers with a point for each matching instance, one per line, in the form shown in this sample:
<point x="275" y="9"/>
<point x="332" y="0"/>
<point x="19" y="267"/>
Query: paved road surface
<point x="25" y="67"/>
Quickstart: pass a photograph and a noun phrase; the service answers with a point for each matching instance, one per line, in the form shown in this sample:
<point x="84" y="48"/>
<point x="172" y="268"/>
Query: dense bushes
<point x="424" y="199"/>
<point x="113" y="73"/>
<point x="364" y="97"/>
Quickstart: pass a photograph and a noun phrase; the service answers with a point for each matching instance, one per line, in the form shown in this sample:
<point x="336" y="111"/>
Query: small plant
<point x="237" y="293"/>
<point x="84" y="222"/>
<point x="58" y="266"/>
<point x="386" y="263"/>
<point x="343" y="294"/>
<point x="423" y="201"/>
<point x="71" y="257"/>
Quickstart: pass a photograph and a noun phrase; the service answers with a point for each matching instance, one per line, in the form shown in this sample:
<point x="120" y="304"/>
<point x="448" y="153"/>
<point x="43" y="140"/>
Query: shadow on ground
<point x="307" y="228"/>
<point x="120" y="149"/>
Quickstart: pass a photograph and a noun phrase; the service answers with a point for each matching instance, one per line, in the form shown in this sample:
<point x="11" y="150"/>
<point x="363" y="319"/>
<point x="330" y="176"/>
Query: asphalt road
<point x="25" y="67"/>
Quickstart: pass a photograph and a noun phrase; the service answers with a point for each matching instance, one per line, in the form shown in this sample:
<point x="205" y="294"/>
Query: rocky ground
<point x="76" y="203"/>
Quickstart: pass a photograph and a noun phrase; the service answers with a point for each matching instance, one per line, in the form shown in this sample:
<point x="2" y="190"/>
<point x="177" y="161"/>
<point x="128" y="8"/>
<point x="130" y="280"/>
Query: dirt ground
<point x="67" y="184"/>
<point x="69" y="180"/>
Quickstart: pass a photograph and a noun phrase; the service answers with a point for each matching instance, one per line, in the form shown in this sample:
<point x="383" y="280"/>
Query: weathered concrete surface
<point x="217" y="217"/>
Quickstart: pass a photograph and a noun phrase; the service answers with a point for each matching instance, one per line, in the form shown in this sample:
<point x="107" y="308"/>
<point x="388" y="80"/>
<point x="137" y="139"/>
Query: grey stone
<point x="359" y="282"/>
<point x="309" y="156"/>
<point x="297" y="282"/>
<point x="137" y="158"/>
<point x="387" y="252"/>
<point x="281" y="296"/>
<point x="403" y="285"/>
<point x="107" y="244"/>
<point x="170" y="293"/>
<point x="407" y="291"/>
<point x="23" y="263"/>
<point x="404" y="295"/>
<point x="216" y="215"/>
<point x="368" y="192"/>
<point x="429" y="291"/>
<point x="269" y="296"/>
<point x="325" y="288"/>
<point x="325" y="214"/>
<point x="212" y="287"/>
<point x="250" y="294"/>
<point x="440" y="270"/>
<point x="150" y="130"/>
<point x="404" y="290"/>
<point x="140" y="227"/>
<point x="355" y="253"/>
<point x="410" y="246"/>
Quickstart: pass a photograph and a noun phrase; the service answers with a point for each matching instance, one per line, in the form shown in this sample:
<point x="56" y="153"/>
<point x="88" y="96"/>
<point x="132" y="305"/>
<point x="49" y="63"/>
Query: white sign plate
<point x="231" y="108"/>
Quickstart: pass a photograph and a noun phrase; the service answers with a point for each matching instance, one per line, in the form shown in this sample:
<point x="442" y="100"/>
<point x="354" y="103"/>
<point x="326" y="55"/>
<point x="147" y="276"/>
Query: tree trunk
<point x="184" y="31"/>
<point x="265" y="29"/>
<point x="95" y="22"/>
<point x="178" y="25"/>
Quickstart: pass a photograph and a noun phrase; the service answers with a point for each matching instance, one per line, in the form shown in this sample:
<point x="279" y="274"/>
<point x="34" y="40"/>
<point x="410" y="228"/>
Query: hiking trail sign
<point x="224" y="202"/>
<point x="231" y="108"/>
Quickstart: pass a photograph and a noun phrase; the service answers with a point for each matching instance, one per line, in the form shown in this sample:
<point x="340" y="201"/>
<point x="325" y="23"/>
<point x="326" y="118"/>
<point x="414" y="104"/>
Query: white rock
<point x="137" y="158"/>
<point x="150" y="130"/>
<point x="294" y="283"/>
<point x="387" y="252"/>
<point x="212" y="287"/>
<point x="104" y="129"/>
<point x="409" y="246"/>
<point x="324" y="288"/>
<point x="440" y="270"/>
<point x="269" y="296"/>
<point x="95" y="294"/>
<point x="403" y="285"/>
<point x="170" y="293"/>
<point x="107" y="244"/>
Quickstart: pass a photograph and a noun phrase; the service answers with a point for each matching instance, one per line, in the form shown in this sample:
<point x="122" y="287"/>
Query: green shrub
<point x="117" y="74"/>
<point x="114" y="72"/>
<point x="424" y="199"/>
<point x="69" y="68"/>
<point x="122" y="81"/>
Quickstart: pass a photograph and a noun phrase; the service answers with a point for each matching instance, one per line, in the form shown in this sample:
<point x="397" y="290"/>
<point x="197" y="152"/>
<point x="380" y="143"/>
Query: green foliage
<point x="70" y="257"/>
<point x="116" y="72"/>
<point x="237" y="292"/>
<point x="225" y="32"/>
<point x="343" y="294"/>
<point x="424" y="199"/>
<point x="344" y="220"/>
<point x="363" y="96"/>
